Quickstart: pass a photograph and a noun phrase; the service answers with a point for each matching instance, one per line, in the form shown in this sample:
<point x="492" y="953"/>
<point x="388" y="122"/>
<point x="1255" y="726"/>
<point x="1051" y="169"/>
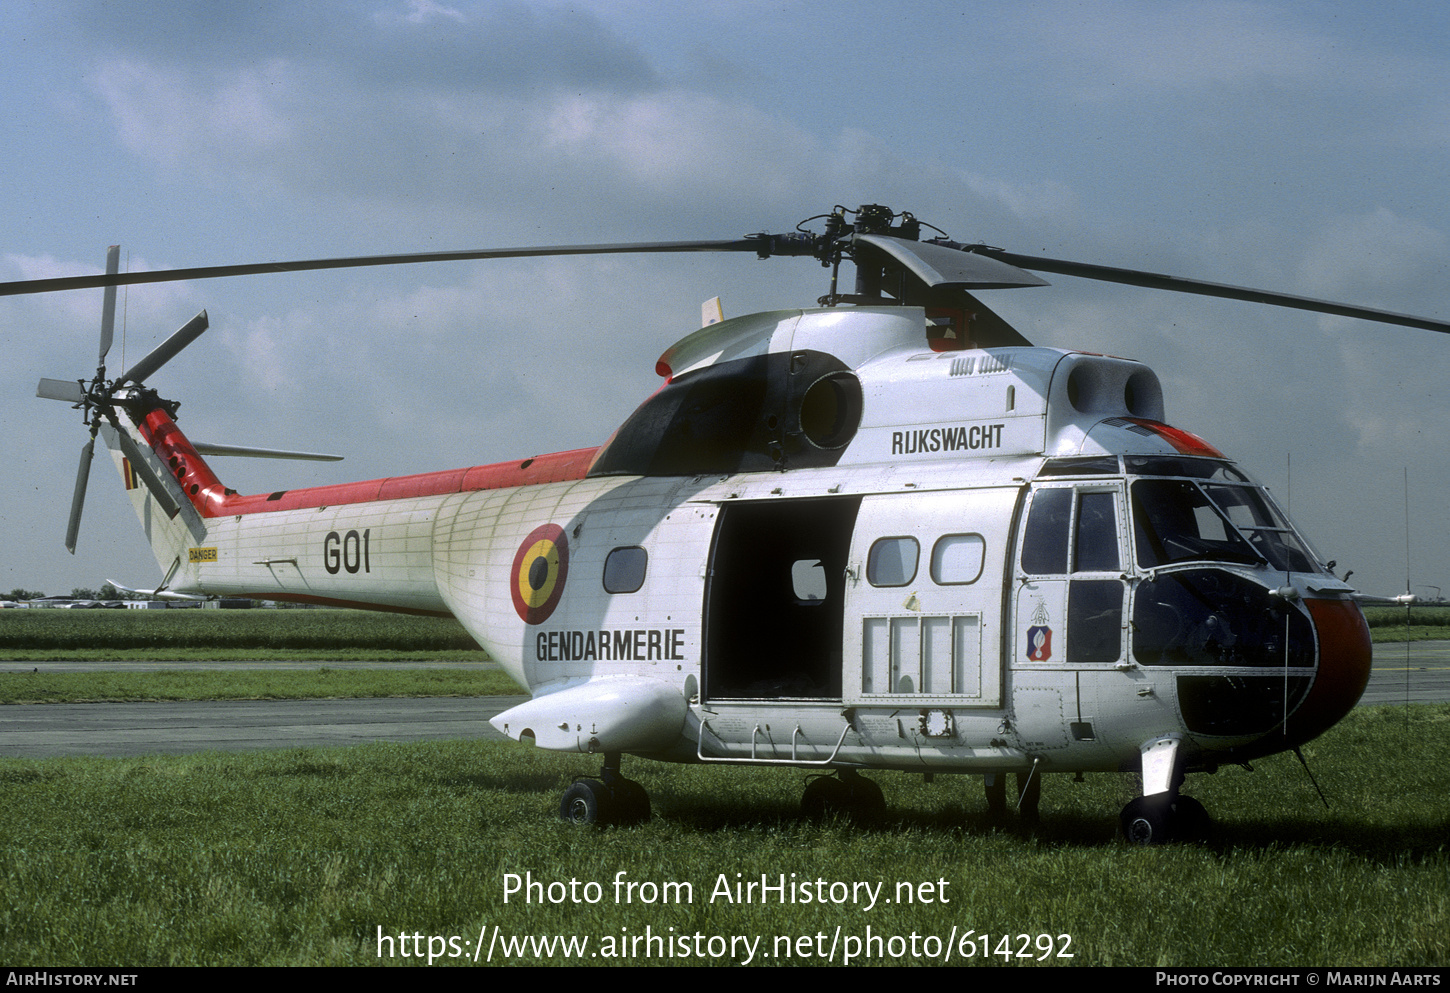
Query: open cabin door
<point x="924" y="599"/>
<point x="774" y="599"/>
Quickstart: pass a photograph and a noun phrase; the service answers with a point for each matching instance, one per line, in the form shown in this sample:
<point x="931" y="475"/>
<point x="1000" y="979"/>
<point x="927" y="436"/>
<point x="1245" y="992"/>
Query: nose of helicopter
<point x="1344" y="662"/>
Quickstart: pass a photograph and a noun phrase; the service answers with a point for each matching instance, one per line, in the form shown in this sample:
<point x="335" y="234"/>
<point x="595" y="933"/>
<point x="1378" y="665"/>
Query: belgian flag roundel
<point x="540" y="567"/>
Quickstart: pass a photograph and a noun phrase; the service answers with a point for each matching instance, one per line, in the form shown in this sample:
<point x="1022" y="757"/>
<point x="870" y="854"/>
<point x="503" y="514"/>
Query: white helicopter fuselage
<point x="934" y="560"/>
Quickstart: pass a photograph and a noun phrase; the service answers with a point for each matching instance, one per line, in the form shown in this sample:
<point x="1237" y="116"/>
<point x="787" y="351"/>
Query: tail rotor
<point x="99" y="399"/>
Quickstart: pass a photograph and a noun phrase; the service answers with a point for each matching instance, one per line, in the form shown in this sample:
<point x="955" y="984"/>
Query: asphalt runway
<point x="115" y="729"/>
<point x="1417" y="674"/>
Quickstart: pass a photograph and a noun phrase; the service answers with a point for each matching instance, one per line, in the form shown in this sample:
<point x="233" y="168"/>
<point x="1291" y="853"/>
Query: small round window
<point x="624" y="569"/>
<point x="892" y="562"/>
<point x="956" y="559"/>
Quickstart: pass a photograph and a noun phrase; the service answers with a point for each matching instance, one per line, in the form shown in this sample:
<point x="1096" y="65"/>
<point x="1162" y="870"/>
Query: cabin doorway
<point x="774" y="602"/>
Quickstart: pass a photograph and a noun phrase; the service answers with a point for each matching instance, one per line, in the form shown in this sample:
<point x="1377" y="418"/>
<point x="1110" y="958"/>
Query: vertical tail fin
<point x="171" y="521"/>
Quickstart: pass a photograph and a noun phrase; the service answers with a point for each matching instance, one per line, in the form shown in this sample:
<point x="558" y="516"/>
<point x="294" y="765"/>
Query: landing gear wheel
<point x="631" y="802"/>
<point x="866" y="802"/>
<point x="1190" y="821"/>
<point x="1145" y="821"/>
<point x="1158" y="819"/>
<point x="847" y="795"/>
<point x="607" y="799"/>
<point x="824" y="797"/>
<point x="586" y="802"/>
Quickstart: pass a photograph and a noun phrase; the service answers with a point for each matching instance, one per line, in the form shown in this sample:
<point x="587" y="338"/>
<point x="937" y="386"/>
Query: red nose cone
<point x="1344" y="659"/>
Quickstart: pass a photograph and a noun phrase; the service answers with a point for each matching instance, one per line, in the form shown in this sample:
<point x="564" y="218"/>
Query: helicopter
<point x="882" y="533"/>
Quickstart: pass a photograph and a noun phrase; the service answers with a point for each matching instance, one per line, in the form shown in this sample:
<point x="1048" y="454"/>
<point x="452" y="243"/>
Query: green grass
<point x="307" y="682"/>
<point x="188" y="635"/>
<point x="1387" y="624"/>
<point x="301" y="856"/>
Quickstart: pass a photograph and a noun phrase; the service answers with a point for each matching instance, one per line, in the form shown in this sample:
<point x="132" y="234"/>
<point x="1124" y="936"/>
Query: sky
<point x="1298" y="146"/>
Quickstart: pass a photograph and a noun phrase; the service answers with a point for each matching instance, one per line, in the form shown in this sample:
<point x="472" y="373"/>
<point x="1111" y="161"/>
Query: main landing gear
<point x="607" y="799"/>
<point x="1029" y="793"/>
<point x="1163" y="814"/>
<point x="846" y="794"/>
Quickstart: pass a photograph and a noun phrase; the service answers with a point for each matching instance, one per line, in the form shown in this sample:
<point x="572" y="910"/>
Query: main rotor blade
<point x="1159" y="281"/>
<point x="947" y="268"/>
<point x="78" y="498"/>
<point x="166" y="351"/>
<point x="108" y="307"/>
<point x="756" y="244"/>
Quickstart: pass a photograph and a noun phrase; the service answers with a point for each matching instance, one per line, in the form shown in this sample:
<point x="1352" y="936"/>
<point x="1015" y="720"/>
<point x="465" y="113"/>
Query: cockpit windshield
<point x="1182" y="520"/>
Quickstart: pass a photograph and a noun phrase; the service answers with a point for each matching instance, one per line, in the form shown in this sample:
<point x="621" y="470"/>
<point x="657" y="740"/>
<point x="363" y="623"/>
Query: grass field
<point x="361" y="855"/>
<point x="1425" y="623"/>
<point x="308" y="682"/>
<point x="314" y="856"/>
<point x="190" y="635"/>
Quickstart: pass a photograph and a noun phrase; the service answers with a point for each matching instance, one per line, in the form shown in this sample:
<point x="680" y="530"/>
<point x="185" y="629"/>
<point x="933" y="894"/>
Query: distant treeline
<point x="1421" y="616"/>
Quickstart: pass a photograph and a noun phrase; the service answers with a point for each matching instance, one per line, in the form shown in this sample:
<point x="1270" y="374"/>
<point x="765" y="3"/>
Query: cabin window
<point x="624" y="569"/>
<point x="956" y="559"/>
<point x="892" y="561"/>
<point x="1266" y="530"/>
<point x="808" y="581"/>
<point x="1212" y="617"/>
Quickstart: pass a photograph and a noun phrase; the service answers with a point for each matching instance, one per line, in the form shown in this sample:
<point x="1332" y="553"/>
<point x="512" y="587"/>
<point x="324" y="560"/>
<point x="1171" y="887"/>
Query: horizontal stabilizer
<point x="158" y="594"/>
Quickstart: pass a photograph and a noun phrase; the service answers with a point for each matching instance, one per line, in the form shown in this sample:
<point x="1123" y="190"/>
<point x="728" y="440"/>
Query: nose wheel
<point x="1154" y="820"/>
<point x="606" y="799"/>
<point x="1163" y="814"/>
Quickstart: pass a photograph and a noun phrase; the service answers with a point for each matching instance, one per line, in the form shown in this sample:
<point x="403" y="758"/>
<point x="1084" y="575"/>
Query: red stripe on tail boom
<point x="212" y="499"/>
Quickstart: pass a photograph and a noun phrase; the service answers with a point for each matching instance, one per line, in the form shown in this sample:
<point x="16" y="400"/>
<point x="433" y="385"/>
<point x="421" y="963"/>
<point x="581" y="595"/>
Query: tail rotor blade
<point x="166" y="351"/>
<point x="61" y="389"/>
<point x="78" y="500"/>
<point x="108" y="307"/>
<point x="136" y="458"/>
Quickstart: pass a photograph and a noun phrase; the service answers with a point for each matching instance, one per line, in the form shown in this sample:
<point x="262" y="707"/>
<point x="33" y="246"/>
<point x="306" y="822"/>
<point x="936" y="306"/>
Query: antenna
<point x="1288" y="584"/>
<point x="1409" y="631"/>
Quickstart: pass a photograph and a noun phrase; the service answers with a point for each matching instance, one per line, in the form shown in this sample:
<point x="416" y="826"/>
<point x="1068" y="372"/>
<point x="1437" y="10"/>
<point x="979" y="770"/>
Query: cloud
<point x="1372" y="256"/>
<point x="1122" y="46"/>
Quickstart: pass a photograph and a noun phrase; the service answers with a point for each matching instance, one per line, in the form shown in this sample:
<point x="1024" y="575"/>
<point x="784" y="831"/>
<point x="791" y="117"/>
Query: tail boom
<point x="367" y="544"/>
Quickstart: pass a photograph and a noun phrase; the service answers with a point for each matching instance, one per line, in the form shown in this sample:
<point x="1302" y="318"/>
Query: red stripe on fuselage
<point x="212" y="499"/>
<point x="1186" y="442"/>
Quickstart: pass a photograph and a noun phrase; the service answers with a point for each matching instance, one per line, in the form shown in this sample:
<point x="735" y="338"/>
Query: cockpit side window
<point x="1044" y="541"/>
<point x="1174" y="521"/>
<point x="1072" y="532"/>
<point x="1096" y="543"/>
